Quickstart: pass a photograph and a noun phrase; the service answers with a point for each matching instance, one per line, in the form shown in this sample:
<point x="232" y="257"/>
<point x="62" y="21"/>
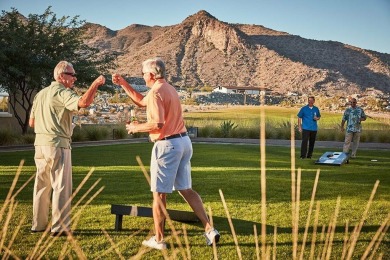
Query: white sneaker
<point x="212" y="236"/>
<point x="152" y="243"/>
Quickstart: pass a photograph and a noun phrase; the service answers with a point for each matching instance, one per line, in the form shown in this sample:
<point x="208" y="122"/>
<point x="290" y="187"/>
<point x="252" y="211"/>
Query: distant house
<point x="7" y="120"/>
<point x="237" y="90"/>
<point x="290" y="94"/>
<point x="4" y="110"/>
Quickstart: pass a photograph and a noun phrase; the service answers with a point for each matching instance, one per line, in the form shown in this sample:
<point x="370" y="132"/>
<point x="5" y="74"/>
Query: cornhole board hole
<point x="333" y="158"/>
<point x="137" y="211"/>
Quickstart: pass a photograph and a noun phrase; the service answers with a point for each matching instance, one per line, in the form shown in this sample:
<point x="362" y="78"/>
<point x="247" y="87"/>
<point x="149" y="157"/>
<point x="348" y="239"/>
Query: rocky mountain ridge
<point x="204" y="51"/>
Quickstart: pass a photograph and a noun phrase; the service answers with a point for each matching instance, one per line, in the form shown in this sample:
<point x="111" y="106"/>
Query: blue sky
<point x="361" y="23"/>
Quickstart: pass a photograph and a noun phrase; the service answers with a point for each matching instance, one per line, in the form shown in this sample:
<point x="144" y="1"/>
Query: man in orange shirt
<point x="172" y="151"/>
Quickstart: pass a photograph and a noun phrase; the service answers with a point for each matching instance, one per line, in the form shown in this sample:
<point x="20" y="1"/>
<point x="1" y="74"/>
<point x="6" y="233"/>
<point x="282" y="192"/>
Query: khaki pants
<point x="53" y="179"/>
<point x="355" y="138"/>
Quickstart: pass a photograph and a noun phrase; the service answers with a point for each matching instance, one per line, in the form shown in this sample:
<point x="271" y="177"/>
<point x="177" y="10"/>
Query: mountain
<point x="204" y="51"/>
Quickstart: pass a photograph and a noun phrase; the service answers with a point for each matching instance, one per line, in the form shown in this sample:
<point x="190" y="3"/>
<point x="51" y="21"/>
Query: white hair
<point x="61" y="68"/>
<point x="155" y="66"/>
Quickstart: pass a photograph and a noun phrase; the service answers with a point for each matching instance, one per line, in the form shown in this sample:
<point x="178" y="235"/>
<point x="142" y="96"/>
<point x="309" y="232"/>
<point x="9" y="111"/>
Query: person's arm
<point x="342" y="125"/>
<point x="300" y="124"/>
<point x="134" y="95"/>
<point x="88" y="96"/>
<point x="31" y="122"/>
<point x="142" y="128"/>
<point x="318" y="115"/>
<point x="344" y="119"/>
<point x="155" y="115"/>
<point x="363" y="117"/>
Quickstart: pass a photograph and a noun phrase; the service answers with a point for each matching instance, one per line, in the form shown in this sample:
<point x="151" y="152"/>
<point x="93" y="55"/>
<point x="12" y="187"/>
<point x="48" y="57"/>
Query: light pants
<point x="53" y="179"/>
<point x="351" y="137"/>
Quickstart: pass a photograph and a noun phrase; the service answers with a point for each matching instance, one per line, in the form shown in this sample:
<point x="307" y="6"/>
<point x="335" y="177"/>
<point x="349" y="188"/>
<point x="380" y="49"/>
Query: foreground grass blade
<point x="355" y="234"/>
<point x="263" y="184"/>
<point x="309" y="214"/>
<point x="231" y="225"/>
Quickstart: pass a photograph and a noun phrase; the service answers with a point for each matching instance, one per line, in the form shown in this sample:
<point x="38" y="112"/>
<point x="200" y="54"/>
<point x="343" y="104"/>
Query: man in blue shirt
<point x="307" y="124"/>
<point x="353" y="115"/>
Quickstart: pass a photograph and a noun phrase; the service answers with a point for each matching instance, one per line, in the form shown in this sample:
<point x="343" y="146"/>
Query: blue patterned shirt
<point x="352" y="116"/>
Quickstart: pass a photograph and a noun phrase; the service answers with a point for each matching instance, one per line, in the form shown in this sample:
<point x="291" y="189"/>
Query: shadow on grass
<point x="241" y="227"/>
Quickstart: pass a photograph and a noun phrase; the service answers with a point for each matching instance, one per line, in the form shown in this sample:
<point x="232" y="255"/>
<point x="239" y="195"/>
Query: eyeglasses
<point x="147" y="72"/>
<point x="70" y="74"/>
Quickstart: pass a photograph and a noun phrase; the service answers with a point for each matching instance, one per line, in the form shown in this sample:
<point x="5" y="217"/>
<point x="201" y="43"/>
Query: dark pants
<point x="308" y="137"/>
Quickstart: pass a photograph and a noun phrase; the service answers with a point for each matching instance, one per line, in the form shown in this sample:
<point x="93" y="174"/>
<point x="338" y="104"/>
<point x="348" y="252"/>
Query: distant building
<point x="4" y="107"/>
<point x="237" y="90"/>
<point x="7" y="118"/>
<point x="290" y="94"/>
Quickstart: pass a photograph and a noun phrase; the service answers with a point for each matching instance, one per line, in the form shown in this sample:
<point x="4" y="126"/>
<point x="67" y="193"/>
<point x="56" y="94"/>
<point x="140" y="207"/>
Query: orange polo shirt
<point x="163" y="106"/>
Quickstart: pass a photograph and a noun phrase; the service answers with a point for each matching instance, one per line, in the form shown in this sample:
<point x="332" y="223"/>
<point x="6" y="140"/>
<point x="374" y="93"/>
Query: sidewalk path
<point x="271" y="142"/>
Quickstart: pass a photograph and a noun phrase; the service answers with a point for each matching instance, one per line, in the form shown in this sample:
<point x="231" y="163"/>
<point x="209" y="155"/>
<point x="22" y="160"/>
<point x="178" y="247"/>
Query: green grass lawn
<point x="246" y="121"/>
<point x="247" y="116"/>
<point x="233" y="169"/>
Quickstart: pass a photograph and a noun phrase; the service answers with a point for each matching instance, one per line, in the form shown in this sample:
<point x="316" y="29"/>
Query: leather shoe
<point x="36" y="231"/>
<point x="61" y="234"/>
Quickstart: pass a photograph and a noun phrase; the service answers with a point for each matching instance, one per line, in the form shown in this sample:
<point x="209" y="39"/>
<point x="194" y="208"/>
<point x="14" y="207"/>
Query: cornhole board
<point x="137" y="211"/>
<point x="333" y="158"/>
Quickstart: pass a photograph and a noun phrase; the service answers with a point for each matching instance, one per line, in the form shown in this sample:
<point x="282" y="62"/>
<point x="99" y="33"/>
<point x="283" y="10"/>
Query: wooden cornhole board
<point x="137" y="211"/>
<point x="333" y="158"/>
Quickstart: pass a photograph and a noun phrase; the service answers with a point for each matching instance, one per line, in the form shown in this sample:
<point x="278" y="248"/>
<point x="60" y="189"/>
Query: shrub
<point x="363" y="137"/>
<point x="78" y="134"/>
<point x="227" y="127"/>
<point x="283" y="130"/>
<point x="119" y="133"/>
<point x="375" y="136"/>
<point x="285" y="133"/>
<point x="340" y="136"/>
<point x="270" y="132"/>
<point x="325" y="134"/>
<point x="253" y="133"/>
<point x="206" y="131"/>
<point x="7" y="137"/>
<point x="383" y="137"/>
<point x="96" y="133"/>
<point x="27" y="138"/>
<point x="249" y="132"/>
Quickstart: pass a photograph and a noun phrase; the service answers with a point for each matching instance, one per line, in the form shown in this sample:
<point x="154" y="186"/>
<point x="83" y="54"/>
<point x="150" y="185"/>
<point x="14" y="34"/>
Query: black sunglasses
<point x="70" y="74"/>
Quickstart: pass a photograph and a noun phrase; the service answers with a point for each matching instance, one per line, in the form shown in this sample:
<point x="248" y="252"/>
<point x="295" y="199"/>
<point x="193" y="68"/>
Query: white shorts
<point x="170" y="165"/>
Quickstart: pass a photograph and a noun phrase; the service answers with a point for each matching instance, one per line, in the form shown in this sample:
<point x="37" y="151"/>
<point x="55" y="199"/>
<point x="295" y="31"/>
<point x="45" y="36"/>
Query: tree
<point x="30" y="49"/>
